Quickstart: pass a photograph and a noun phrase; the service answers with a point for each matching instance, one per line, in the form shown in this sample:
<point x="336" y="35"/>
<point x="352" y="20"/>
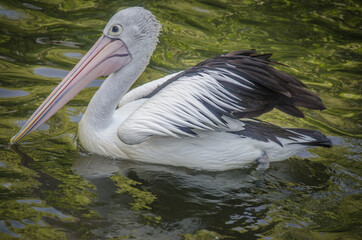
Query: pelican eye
<point x="115" y="30"/>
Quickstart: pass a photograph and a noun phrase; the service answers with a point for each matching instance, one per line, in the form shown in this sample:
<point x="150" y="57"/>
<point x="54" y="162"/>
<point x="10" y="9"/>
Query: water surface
<point x="51" y="189"/>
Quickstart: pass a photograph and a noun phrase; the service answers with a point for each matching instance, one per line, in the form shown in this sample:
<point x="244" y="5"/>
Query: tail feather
<point x="319" y="139"/>
<point x="266" y="132"/>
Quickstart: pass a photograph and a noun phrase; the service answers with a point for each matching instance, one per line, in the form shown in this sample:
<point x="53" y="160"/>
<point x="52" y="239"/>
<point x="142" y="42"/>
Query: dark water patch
<point x="30" y="201"/>
<point x="7" y="93"/>
<point x="31" y="6"/>
<point x="50" y="72"/>
<point x="5" y="230"/>
<point x="73" y="55"/>
<point x="11" y="14"/>
<point x="48" y="41"/>
<point x="16" y="224"/>
<point x="95" y="83"/>
<point x="51" y="211"/>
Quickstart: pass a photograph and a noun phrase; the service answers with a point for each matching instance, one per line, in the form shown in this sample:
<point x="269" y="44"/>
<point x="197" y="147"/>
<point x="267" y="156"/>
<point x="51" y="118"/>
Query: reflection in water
<point x="10" y="14"/>
<point x="231" y="203"/>
<point x="6" y="93"/>
<point x="50" y="72"/>
<point x="46" y="40"/>
<point x="314" y="198"/>
<point x="73" y="55"/>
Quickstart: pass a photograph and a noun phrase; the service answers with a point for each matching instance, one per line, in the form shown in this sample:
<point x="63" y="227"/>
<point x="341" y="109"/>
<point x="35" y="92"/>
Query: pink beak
<point x="105" y="57"/>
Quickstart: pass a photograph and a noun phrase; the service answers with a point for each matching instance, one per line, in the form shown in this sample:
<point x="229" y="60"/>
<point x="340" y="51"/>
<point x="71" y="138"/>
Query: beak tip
<point x="13" y="140"/>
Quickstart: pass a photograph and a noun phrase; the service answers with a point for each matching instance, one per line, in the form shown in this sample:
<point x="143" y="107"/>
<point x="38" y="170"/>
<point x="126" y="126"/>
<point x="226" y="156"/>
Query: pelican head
<point x="130" y="35"/>
<point x="138" y="28"/>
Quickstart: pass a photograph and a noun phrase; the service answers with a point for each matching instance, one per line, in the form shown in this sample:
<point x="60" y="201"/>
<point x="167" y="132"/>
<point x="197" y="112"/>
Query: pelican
<point x="202" y="117"/>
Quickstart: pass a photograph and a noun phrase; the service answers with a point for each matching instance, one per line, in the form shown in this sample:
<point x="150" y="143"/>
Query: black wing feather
<point x="271" y="87"/>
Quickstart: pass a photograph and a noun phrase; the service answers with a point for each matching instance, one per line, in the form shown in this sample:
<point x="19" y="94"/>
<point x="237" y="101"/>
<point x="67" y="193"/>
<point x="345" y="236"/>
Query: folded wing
<point x="241" y="84"/>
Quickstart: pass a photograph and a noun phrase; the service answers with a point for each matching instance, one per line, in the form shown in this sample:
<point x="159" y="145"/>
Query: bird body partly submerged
<point x="214" y="151"/>
<point x="201" y="118"/>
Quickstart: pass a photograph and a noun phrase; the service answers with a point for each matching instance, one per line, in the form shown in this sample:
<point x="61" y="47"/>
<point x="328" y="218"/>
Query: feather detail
<point x="240" y="84"/>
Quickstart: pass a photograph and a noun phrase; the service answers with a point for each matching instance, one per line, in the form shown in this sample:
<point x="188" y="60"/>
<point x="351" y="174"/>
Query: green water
<point x="51" y="189"/>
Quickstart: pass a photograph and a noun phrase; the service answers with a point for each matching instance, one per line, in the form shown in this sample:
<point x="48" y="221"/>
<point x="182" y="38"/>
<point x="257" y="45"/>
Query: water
<point x="51" y="189"/>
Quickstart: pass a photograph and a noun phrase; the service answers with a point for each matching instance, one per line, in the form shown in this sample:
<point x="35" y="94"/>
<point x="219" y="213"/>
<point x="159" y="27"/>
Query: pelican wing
<point x="144" y="90"/>
<point x="237" y="85"/>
